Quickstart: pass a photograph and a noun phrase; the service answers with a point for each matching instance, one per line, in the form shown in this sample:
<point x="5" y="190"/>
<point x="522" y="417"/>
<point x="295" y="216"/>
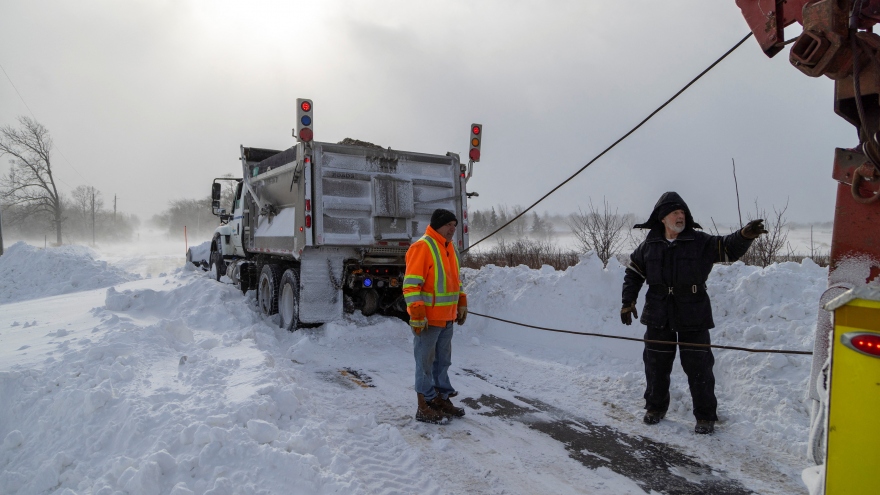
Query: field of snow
<point x="124" y="370"/>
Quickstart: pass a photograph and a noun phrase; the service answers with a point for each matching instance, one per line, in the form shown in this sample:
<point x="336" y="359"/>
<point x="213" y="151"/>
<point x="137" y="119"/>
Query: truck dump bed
<point x="358" y="196"/>
<point x="365" y="196"/>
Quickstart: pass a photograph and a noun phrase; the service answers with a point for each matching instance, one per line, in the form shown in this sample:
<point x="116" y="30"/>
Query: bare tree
<point x="30" y="182"/>
<point x="767" y="249"/>
<point x="195" y="214"/>
<point x="87" y="203"/>
<point x="599" y="231"/>
<point x="634" y="237"/>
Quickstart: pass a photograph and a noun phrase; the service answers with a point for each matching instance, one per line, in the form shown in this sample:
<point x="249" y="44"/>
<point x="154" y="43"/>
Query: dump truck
<point x="321" y="229"/>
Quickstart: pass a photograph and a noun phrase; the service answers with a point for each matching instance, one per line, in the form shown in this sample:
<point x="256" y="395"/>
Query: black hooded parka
<point x="676" y="272"/>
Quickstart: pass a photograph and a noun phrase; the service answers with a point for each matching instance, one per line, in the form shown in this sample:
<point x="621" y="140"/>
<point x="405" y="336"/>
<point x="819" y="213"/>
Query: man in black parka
<point x="675" y="260"/>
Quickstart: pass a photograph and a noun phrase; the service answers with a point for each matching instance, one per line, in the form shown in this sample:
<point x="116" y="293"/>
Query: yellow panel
<point x="854" y="406"/>
<point x="865" y="303"/>
<point x="857" y="316"/>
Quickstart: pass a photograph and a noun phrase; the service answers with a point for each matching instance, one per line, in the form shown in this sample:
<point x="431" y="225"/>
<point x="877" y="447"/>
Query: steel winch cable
<point x="634" y="129"/>
<point x="633" y="339"/>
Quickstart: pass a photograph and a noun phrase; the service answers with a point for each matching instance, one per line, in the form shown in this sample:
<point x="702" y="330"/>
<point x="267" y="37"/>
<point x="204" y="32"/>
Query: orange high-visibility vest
<point x="432" y="278"/>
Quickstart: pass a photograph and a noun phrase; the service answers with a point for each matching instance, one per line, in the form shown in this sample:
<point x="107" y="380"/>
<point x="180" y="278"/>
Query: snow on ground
<point x="175" y="384"/>
<point x="28" y="272"/>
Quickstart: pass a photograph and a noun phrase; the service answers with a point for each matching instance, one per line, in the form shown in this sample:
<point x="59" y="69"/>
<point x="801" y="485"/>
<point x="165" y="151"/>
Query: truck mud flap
<point x="321" y="284"/>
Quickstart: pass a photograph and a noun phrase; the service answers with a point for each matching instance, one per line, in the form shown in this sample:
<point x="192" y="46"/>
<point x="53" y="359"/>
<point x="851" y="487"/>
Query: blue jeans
<point x="432" y="348"/>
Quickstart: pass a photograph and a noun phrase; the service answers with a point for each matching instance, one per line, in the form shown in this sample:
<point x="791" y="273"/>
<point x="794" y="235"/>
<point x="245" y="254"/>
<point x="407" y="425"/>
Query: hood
<point x="669" y="199"/>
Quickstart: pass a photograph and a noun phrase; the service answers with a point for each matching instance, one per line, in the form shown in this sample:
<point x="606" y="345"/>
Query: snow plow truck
<point x="320" y="229"/>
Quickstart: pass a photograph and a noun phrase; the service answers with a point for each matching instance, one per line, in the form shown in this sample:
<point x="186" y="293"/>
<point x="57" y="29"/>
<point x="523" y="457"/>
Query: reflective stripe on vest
<point x="440" y="296"/>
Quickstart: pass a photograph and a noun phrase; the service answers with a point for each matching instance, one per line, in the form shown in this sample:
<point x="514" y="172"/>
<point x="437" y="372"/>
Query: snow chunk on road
<point x="28" y="272"/>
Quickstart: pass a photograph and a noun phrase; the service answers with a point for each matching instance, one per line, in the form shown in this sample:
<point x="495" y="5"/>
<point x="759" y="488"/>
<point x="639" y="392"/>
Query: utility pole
<point x="1" y="232"/>
<point x="93" y="217"/>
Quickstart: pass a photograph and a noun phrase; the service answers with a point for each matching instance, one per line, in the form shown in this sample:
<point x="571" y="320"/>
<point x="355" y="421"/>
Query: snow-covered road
<point x="174" y="383"/>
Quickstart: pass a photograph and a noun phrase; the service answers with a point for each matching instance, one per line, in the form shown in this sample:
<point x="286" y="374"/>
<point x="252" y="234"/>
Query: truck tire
<point x="267" y="289"/>
<point x="217" y="266"/>
<point x="247" y="277"/>
<point x="215" y="260"/>
<point x="288" y="300"/>
<point x="371" y="302"/>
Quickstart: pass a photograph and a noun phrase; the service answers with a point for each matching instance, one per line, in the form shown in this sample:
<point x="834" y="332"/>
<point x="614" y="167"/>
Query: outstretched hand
<point x="753" y="229"/>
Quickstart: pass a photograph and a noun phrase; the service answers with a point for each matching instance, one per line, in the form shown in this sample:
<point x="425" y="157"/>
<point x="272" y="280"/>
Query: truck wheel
<point x="246" y="277"/>
<point x="217" y="267"/>
<point x="371" y="302"/>
<point x="288" y="300"/>
<point x="267" y="290"/>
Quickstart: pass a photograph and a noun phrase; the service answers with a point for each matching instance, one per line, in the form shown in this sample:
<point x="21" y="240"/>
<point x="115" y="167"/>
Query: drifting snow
<point x="28" y="272"/>
<point x="176" y="384"/>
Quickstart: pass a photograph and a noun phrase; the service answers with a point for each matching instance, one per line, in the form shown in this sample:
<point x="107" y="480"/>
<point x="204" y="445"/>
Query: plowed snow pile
<point x="176" y="384"/>
<point x="28" y="272"/>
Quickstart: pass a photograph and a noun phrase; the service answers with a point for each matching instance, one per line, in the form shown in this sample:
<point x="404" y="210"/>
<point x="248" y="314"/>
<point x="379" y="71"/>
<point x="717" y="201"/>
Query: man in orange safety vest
<point x="434" y="300"/>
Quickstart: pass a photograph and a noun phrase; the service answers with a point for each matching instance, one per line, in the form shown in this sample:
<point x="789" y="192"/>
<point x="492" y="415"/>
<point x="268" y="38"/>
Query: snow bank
<point x="178" y="385"/>
<point x="173" y="391"/>
<point x="28" y="272"/>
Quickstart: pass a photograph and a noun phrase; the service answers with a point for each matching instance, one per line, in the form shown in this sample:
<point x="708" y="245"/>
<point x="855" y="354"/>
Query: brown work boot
<point x="427" y="414"/>
<point x="446" y="407"/>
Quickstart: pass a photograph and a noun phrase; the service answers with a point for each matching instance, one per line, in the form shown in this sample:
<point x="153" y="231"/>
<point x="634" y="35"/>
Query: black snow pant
<point x="697" y="363"/>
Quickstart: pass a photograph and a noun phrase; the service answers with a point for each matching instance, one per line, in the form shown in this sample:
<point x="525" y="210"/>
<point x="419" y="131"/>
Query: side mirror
<point x="215" y="204"/>
<point x="215" y="191"/>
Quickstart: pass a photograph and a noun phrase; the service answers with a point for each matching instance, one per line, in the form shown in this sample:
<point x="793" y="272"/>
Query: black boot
<point x="653" y="417"/>
<point x="704" y="427"/>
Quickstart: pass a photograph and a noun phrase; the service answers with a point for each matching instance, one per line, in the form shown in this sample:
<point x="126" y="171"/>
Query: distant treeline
<point x="84" y="220"/>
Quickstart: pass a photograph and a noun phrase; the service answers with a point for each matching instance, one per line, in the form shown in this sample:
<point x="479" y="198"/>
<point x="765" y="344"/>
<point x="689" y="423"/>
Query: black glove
<point x="753" y="229"/>
<point x="627" y="313"/>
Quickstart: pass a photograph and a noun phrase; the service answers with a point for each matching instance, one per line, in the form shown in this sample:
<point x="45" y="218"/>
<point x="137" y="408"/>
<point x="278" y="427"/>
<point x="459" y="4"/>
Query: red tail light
<point x="308" y="205"/>
<point x="308" y="221"/>
<point x="866" y="343"/>
<point x="305" y="134"/>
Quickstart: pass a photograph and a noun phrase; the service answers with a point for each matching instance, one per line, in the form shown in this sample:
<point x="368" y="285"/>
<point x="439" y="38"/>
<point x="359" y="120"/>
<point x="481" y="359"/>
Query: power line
<point x="35" y="118"/>
<point x="634" y="129"/>
<point x="16" y="91"/>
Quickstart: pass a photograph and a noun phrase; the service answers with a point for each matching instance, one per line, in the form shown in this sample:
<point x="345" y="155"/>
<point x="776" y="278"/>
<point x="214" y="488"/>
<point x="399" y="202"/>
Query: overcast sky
<point x="150" y="100"/>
